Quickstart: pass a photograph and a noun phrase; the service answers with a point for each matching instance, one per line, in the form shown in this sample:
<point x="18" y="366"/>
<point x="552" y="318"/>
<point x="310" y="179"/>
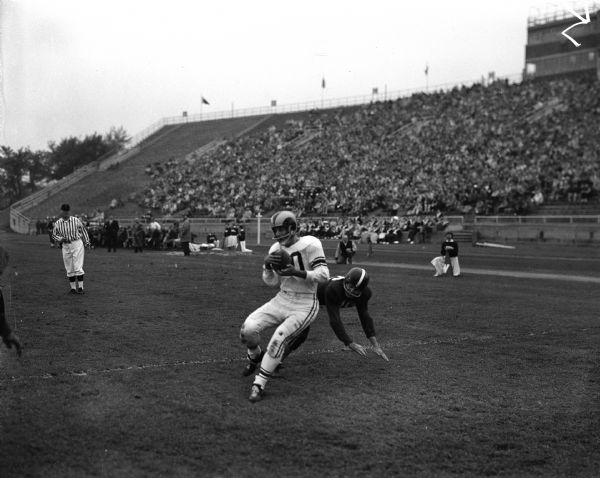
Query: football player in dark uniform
<point x="211" y="239"/>
<point x="351" y="290"/>
<point x="8" y="337"/>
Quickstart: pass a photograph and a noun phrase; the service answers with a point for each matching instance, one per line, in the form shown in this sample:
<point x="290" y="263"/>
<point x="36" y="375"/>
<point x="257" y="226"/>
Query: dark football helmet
<point x="283" y="219"/>
<point x="355" y="282"/>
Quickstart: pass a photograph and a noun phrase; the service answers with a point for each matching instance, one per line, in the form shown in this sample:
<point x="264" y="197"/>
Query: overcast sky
<point x="75" y="67"/>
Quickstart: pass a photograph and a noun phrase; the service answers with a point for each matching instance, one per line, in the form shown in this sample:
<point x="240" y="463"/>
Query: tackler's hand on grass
<point x="359" y="349"/>
<point x="379" y="351"/>
<point x="377" y="348"/>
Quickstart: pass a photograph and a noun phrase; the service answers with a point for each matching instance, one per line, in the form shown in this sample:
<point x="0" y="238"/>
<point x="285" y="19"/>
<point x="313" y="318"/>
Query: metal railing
<point x="529" y="220"/>
<point x="306" y="106"/>
<point x="43" y="194"/>
<point x="555" y="15"/>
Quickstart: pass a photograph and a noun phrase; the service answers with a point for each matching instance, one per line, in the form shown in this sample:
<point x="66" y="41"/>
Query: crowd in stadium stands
<point x="485" y="149"/>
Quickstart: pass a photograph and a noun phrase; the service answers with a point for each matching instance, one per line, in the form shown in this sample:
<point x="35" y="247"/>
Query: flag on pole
<point x="323" y="83"/>
<point x="427" y="69"/>
<point x="204" y="101"/>
<point x="273" y="103"/>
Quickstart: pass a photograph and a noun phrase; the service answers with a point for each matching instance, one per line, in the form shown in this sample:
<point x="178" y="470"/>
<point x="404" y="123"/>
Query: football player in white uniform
<point x="295" y="264"/>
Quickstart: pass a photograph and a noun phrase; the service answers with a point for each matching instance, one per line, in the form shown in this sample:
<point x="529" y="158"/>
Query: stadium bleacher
<point x="502" y="148"/>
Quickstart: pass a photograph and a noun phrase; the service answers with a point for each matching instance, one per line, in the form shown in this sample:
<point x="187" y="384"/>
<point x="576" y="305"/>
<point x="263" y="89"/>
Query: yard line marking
<point x="396" y="344"/>
<point x="492" y="272"/>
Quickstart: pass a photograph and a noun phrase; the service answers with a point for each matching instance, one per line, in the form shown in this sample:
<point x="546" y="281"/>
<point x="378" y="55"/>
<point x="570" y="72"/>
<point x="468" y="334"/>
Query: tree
<point x="64" y="157"/>
<point x="22" y="170"/>
<point x="72" y="153"/>
<point x="38" y="167"/>
<point x="14" y="166"/>
<point x="116" y="138"/>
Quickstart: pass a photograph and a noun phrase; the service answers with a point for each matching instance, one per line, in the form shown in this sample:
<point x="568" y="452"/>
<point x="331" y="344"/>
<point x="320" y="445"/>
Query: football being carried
<point x="278" y="260"/>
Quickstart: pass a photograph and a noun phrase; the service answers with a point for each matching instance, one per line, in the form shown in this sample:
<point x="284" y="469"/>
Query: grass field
<point x="496" y="373"/>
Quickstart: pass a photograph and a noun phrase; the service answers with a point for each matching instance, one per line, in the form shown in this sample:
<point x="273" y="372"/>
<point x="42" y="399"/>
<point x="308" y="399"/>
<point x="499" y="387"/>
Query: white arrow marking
<point x="582" y="22"/>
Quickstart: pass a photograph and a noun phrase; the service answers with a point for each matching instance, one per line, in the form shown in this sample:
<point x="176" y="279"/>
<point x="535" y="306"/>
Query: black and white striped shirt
<point x="69" y="230"/>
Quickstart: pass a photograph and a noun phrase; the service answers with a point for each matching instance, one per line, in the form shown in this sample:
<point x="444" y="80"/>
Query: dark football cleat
<point x="72" y="292"/>
<point x="252" y="365"/>
<point x="256" y="394"/>
<point x="80" y="291"/>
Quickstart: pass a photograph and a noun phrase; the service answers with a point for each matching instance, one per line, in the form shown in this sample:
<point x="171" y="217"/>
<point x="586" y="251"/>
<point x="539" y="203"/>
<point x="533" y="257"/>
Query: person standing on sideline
<point x="49" y="227"/>
<point x="450" y="248"/>
<point x="72" y="236"/>
<point x="8" y="337"/>
<point x="155" y="233"/>
<point x="242" y="238"/>
<point x="139" y="237"/>
<point x="296" y="305"/>
<point x="112" y="233"/>
<point x="345" y="251"/>
<point x="230" y="237"/>
<point x="185" y="234"/>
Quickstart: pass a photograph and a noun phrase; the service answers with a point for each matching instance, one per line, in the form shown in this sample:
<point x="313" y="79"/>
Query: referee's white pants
<point x="73" y="253"/>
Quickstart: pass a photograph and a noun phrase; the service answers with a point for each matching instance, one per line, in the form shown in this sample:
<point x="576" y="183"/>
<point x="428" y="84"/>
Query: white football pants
<point x="291" y="314"/>
<point x="73" y="253"/>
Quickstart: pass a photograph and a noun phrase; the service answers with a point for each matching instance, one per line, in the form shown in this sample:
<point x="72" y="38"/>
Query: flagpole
<point x="322" y="89"/>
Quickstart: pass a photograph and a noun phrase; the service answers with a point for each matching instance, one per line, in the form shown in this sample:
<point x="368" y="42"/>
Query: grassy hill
<point x="118" y="182"/>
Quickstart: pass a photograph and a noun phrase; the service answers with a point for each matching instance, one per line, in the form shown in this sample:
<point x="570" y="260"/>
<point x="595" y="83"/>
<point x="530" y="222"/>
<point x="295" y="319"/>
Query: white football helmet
<point x="283" y="225"/>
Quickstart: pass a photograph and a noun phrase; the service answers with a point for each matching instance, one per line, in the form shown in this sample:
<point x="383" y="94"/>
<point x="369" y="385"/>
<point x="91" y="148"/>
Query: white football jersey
<point x="307" y="255"/>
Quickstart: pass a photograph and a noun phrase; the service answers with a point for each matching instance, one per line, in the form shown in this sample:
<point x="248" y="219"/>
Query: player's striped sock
<point x="267" y="369"/>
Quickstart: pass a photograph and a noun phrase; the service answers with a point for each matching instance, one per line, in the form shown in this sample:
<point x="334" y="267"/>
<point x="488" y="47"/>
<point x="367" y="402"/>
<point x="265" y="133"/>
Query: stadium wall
<point x="574" y="229"/>
<point x="561" y="229"/>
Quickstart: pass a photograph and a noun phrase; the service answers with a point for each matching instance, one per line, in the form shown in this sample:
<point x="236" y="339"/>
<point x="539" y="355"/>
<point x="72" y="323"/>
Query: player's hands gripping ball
<point x="278" y="260"/>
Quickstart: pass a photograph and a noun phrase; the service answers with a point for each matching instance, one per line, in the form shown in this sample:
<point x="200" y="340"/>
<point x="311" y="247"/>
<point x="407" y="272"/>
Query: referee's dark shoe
<point x="80" y="291"/>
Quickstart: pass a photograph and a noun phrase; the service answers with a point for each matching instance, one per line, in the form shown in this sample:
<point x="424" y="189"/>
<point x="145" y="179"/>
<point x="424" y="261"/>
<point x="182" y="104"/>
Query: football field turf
<point x="495" y="373"/>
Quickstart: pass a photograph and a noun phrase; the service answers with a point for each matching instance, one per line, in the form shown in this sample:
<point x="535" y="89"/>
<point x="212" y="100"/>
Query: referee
<point x="72" y="237"/>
